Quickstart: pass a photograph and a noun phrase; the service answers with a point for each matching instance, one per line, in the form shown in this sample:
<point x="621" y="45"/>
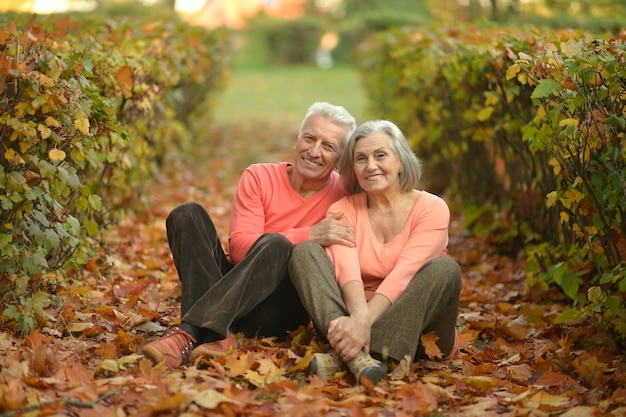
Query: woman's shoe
<point x="326" y="365"/>
<point x="364" y="366"/>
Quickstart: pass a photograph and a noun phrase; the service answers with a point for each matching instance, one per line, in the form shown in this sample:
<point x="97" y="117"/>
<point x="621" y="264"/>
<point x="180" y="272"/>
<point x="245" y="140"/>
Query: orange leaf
<point x="125" y="80"/>
<point x="429" y="341"/>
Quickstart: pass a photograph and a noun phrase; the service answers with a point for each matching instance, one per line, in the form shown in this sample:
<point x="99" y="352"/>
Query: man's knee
<point x="275" y="242"/>
<point x="183" y="212"/>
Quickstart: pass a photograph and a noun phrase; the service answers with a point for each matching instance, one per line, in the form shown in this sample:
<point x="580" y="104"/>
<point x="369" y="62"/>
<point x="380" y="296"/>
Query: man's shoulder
<point x="267" y="168"/>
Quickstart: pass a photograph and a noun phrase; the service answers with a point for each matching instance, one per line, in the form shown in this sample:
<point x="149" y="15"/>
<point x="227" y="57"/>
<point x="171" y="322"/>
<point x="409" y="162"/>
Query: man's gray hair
<point x="336" y="114"/>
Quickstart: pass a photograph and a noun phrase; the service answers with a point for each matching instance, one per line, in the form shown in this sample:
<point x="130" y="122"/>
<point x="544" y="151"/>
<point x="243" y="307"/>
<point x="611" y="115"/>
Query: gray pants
<point x="430" y="303"/>
<point x="255" y="296"/>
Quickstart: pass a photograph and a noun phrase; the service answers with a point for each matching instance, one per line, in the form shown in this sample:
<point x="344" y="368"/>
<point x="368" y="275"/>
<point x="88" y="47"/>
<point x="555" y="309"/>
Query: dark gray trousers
<point x="430" y="303"/>
<point x="255" y="296"/>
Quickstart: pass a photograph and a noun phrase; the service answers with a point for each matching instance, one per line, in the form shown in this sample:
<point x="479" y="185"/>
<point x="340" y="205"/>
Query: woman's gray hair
<point x="336" y="114"/>
<point x="411" y="166"/>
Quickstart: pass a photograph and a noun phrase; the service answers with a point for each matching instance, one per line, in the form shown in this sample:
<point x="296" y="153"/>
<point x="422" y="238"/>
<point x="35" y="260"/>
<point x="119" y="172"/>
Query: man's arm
<point x="249" y="222"/>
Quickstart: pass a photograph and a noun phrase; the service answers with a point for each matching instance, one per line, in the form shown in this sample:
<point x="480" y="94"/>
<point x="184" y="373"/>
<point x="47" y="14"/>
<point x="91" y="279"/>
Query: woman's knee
<point x="449" y="272"/>
<point x="303" y="258"/>
<point x="306" y="248"/>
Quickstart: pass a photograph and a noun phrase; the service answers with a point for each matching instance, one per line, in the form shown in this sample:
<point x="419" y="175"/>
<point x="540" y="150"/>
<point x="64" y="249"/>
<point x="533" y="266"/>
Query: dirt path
<point x="513" y="360"/>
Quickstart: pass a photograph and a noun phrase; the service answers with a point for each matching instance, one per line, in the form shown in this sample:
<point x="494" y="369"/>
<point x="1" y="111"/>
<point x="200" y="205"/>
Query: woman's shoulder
<point x="432" y="205"/>
<point x="350" y="202"/>
<point x="428" y="198"/>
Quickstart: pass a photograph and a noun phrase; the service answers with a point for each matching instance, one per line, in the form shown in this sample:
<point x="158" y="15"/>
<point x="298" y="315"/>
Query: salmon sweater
<point x="388" y="268"/>
<point x="266" y="202"/>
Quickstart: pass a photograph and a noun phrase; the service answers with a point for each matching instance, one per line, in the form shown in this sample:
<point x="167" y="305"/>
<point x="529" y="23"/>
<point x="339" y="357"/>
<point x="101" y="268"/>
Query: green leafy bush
<point x="289" y="41"/>
<point x="527" y="127"/>
<point x="85" y="121"/>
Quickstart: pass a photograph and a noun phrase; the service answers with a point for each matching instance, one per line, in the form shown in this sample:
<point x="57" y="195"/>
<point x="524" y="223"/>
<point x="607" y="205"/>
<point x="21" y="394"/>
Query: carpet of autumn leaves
<point x="513" y="361"/>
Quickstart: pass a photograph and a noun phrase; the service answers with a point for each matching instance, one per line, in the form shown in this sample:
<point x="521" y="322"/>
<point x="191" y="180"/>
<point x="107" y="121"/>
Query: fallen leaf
<point x="211" y="399"/>
<point x="429" y="341"/>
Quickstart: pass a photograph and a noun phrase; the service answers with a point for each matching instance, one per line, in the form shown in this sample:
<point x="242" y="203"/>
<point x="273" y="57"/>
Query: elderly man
<point x="276" y="206"/>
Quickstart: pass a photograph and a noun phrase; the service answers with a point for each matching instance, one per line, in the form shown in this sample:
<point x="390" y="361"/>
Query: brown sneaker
<point x="218" y="348"/>
<point x="173" y="349"/>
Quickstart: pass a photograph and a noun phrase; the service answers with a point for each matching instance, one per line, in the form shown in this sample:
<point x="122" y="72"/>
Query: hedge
<point x="526" y="126"/>
<point x="89" y="107"/>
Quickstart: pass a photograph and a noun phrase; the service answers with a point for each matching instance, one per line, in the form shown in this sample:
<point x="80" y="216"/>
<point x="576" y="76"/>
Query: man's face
<point x="318" y="148"/>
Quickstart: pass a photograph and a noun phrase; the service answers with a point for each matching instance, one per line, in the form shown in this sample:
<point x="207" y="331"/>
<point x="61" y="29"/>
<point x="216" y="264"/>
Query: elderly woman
<point x="396" y="283"/>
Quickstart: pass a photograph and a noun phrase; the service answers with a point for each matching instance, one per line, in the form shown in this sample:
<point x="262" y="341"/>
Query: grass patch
<point x="282" y="94"/>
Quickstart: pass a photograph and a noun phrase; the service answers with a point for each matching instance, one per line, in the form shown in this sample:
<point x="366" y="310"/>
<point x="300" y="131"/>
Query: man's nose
<point x="315" y="149"/>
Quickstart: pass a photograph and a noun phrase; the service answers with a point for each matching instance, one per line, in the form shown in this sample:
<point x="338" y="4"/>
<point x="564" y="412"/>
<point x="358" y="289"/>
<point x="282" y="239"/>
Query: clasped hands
<point x="349" y="335"/>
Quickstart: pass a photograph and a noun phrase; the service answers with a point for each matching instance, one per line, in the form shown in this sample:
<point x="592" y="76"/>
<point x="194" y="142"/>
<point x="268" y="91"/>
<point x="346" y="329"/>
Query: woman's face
<point x="376" y="165"/>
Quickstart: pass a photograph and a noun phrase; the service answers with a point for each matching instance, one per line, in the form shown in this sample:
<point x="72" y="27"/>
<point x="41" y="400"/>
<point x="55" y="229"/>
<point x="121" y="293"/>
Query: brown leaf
<point x="402" y="369"/>
<point x="125" y="80"/>
<point x="429" y="341"/>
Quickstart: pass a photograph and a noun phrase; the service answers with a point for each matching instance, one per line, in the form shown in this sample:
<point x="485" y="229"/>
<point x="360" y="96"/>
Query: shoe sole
<point x="373" y="373"/>
<point x="208" y="354"/>
<point x="153" y="354"/>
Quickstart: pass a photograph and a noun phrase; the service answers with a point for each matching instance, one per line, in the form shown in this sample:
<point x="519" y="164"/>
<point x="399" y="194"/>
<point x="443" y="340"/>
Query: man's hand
<point x="331" y="230"/>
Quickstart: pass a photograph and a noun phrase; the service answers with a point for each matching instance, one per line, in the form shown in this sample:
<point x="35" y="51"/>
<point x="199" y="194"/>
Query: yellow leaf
<point x="481" y="382"/>
<point x="268" y="367"/>
<point x="9" y="154"/>
<point x="239" y="365"/>
<point x="82" y="125"/>
<point x="56" y="154"/>
<point x="43" y="79"/>
<point x="211" y="399"/>
<point x="552" y="198"/>
<point x="79" y="327"/>
<point x="512" y="71"/>
<point x="24" y="146"/>
<point x="78" y="155"/>
<point x="51" y="121"/>
<point x="543" y="398"/>
<point x="583" y="411"/>
<point x="484" y="114"/>
<point x="107" y="367"/>
<point x="303" y="363"/>
<point x="44" y="131"/>
<point x="569" y="121"/>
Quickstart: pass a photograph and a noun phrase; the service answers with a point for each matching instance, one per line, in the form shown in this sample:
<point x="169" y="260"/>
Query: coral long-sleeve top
<point x="266" y="201"/>
<point x="388" y="268"/>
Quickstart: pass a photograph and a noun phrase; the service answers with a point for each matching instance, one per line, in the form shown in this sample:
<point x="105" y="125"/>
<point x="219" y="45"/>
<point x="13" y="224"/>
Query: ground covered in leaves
<point x="513" y="361"/>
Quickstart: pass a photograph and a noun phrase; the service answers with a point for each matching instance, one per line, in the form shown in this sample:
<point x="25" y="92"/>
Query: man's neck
<point x="304" y="187"/>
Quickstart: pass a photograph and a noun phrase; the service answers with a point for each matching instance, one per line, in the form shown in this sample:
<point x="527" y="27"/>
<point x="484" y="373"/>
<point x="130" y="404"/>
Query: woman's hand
<point x="349" y="335"/>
